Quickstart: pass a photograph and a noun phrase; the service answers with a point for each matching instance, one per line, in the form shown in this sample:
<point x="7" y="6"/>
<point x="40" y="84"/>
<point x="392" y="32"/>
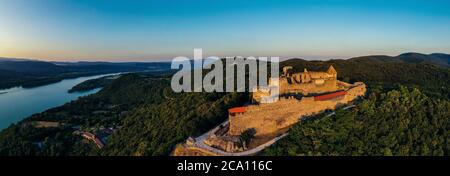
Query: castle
<point x="304" y="83"/>
<point x="299" y="95"/>
<point x="282" y="103"/>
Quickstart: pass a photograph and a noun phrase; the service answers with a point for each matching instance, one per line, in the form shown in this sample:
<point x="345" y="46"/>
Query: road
<point x="333" y="113"/>
<point x="201" y="144"/>
<point x="199" y="141"/>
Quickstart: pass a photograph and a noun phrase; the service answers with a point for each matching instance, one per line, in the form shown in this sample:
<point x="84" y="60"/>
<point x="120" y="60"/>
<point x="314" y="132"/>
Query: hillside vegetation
<point x="405" y="113"/>
<point x="400" y="122"/>
<point x="383" y="71"/>
<point x="150" y="119"/>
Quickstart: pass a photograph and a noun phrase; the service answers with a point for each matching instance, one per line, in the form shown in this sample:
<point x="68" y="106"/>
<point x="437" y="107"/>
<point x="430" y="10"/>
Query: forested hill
<point x="406" y="112"/>
<point x="148" y="118"/>
<point x="384" y="71"/>
<point x="402" y="122"/>
<point x="438" y="59"/>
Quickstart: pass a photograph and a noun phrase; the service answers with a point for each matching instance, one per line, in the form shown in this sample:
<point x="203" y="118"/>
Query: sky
<point x="156" y="30"/>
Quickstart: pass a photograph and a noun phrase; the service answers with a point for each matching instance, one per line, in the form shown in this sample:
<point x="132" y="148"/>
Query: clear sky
<point x="132" y="30"/>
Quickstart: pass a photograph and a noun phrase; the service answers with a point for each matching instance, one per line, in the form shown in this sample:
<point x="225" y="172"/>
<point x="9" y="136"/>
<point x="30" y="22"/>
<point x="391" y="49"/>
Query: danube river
<point x="19" y="103"/>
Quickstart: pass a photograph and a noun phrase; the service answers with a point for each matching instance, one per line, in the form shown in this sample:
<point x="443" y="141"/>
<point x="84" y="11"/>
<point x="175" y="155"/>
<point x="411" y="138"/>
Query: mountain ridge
<point x="31" y="73"/>
<point x="438" y="59"/>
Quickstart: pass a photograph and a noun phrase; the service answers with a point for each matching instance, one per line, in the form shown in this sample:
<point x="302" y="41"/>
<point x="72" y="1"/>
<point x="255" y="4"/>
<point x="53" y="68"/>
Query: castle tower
<point x="332" y="71"/>
<point x="285" y="70"/>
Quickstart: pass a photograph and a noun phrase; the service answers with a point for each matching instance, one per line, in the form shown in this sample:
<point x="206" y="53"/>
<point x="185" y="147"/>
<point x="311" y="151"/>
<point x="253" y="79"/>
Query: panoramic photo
<point x="255" y="79"/>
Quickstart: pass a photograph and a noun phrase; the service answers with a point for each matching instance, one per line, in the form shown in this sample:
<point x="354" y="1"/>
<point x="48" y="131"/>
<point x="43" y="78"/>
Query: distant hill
<point x="35" y="67"/>
<point x="13" y="59"/>
<point x="29" y="73"/>
<point x="439" y="59"/>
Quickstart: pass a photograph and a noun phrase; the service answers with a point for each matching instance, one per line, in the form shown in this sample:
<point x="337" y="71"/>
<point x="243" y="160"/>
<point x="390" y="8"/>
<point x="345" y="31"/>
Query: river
<point x="19" y="103"/>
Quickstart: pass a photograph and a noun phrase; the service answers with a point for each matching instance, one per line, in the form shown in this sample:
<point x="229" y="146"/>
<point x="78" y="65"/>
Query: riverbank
<point x="46" y="80"/>
<point x="33" y="73"/>
<point x="94" y="83"/>
<point x="19" y="103"/>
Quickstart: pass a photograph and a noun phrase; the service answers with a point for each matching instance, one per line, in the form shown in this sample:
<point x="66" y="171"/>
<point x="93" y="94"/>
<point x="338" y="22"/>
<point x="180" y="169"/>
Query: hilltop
<point x="438" y="59"/>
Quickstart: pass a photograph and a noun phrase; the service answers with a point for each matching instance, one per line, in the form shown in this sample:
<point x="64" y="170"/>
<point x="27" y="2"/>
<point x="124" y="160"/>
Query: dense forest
<point x="150" y="120"/>
<point x="406" y="112"/>
<point x="398" y="122"/>
<point x="383" y="71"/>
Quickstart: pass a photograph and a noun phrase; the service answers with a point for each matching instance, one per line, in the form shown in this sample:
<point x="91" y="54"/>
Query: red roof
<point x="88" y="135"/>
<point x="237" y="110"/>
<point x="94" y="138"/>
<point x="329" y="96"/>
<point x="99" y="143"/>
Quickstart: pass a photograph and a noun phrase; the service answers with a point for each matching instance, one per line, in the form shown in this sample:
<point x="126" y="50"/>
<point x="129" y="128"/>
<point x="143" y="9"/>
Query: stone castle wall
<point x="272" y="117"/>
<point x="304" y="83"/>
<point x="318" y="86"/>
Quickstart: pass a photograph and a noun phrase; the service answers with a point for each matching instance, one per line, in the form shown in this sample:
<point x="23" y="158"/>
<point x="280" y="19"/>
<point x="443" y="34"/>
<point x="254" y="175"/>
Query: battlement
<point x="304" y="83"/>
<point x="298" y="95"/>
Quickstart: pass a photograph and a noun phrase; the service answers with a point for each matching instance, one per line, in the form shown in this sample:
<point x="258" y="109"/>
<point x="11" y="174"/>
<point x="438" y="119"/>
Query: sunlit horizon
<point x="99" y="30"/>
